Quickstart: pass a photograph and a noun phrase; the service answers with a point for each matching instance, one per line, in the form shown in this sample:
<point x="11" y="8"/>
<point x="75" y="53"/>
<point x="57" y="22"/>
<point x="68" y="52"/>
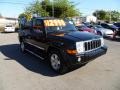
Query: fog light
<point x="79" y="59"/>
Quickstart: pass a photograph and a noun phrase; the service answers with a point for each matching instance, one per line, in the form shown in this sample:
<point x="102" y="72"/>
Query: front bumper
<point x="85" y="57"/>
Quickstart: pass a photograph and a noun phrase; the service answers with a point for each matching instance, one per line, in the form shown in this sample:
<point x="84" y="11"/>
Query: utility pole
<point x="52" y="8"/>
<point x="96" y="15"/>
<point x="110" y="17"/>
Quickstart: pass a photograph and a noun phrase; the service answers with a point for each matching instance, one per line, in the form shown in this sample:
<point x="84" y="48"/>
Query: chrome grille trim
<point x="92" y="44"/>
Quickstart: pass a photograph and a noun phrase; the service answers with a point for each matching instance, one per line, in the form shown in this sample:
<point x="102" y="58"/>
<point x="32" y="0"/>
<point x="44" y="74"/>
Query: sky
<point x="12" y="8"/>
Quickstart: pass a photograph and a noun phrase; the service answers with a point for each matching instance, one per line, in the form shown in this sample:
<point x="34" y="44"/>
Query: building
<point x="79" y="20"/>
<point x="7" y="20"/>
<point x="91" y="19"/>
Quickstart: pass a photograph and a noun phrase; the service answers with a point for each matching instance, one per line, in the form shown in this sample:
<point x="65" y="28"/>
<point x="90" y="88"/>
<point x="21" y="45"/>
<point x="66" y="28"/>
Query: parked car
<point x="117" y="25"/>
<point x="112" y="27"/>
<point x="9" y="28"/>
<point x="86" y="29"/>
<point x="109" y="26"/>
<point x="60" y="43"/>
<point x="103" y="31"/>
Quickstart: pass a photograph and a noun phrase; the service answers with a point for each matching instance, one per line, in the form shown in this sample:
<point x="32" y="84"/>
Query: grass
<point x="1" y="29"/>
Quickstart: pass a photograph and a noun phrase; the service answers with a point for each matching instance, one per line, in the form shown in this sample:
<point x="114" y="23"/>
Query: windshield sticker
<point x="54" y="23"/>
<point x="61" y="34"/>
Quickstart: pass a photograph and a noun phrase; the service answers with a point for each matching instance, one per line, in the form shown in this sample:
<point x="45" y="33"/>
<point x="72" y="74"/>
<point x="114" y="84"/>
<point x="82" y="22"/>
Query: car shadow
<point x="34" y="64"/>
<point x="115" y="40"/>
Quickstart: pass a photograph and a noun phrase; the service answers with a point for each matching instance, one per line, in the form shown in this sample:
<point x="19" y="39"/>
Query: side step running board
<point x="34" y="54"/>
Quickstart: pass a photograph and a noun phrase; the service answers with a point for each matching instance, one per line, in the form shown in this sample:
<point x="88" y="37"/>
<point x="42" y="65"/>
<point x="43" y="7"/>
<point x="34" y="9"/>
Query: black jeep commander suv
<point x="58" y="41"/>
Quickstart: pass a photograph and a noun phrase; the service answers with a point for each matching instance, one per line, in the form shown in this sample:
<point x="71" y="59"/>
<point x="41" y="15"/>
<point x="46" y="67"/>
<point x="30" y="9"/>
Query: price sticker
<point x="54" y="22"/>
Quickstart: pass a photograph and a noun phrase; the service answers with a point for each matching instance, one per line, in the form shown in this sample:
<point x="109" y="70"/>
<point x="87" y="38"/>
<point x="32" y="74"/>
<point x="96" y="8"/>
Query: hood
<point x="74" y="36"/>
<point x="108" y="31"/>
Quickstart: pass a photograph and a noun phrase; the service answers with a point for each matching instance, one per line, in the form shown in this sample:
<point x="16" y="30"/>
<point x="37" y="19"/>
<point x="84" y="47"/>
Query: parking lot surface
<point x="20" y="71"/>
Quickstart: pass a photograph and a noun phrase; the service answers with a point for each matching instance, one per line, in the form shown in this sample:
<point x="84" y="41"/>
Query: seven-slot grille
<point x="93" y="44"/>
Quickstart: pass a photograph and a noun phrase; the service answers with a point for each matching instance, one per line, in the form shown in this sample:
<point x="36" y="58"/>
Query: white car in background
<point x="9" y="28"/>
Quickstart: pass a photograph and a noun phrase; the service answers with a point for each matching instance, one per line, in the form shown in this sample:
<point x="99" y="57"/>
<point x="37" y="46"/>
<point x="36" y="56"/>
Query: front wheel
<point x="57" y="63"/>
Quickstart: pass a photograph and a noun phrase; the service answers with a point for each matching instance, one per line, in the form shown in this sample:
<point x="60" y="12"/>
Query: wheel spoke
<point x="52" y="58"/>
<point x="55" y="61"/>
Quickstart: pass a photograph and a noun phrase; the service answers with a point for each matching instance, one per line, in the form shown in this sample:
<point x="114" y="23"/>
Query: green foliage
<point x="26" y="15"/>
<point x="115" y="16"/>
<point x="100" y="14"/>
<point x="107" y="15"/>
<point x="36" y="8"/>
<point x="62" y="8"/>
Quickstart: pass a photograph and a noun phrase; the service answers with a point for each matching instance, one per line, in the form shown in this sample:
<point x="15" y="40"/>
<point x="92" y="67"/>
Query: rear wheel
<point x="57" y="63"/>
<point x="99" y="33"/>
<point x="22" y="46"/>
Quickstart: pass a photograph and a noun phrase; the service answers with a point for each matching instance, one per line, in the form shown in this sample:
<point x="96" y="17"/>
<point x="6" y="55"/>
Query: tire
<point x="22" y="46"/>
<point x="99" y="33"/>
<point x="57" y="63"/>
<point x="114" y="36"/>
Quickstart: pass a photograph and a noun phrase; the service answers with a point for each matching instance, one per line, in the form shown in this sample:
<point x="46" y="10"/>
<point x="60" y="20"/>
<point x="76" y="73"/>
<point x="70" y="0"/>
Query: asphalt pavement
<point x="20" y="71"/>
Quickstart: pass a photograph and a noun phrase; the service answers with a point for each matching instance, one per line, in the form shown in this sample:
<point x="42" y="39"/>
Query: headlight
<point x="102" y="41"/>
<point x="117" y="29"/>
<point x="80" y="47"/>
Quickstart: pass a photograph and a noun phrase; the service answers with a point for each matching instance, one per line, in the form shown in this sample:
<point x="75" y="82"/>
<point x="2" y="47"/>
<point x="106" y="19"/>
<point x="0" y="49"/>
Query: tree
<point x="100" y="14"/>
<point x="107" y="15"/>
<point x="26" y="15"/>
<point x="115" y="15"/>
<point x="61" y="8"/>
<point x="36" y="8"/>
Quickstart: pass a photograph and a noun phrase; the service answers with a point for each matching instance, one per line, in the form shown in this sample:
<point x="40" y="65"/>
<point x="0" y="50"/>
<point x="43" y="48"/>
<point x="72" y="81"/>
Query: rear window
<point x="8" y="25"/>
<point x="117" y="24"/>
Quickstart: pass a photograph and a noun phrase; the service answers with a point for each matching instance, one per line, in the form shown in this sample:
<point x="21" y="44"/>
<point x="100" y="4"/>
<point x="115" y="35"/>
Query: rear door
<point x="37" y="38"/>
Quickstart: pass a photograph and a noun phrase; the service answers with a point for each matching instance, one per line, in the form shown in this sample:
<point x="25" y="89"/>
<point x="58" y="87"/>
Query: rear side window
<point x="105" y="25"/>
<point x="38" y="26"/>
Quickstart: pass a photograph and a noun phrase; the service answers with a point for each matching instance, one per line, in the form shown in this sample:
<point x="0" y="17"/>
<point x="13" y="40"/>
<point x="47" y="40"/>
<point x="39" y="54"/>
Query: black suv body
<point x="59" y="42"/>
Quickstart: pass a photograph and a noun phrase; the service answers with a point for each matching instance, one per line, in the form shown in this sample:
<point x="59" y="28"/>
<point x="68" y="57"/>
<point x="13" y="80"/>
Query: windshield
<point x="59" y="25"/>
<point x="117" y="24"/>
<point x="98" y="26"/>
<point x="113" y="26"/>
